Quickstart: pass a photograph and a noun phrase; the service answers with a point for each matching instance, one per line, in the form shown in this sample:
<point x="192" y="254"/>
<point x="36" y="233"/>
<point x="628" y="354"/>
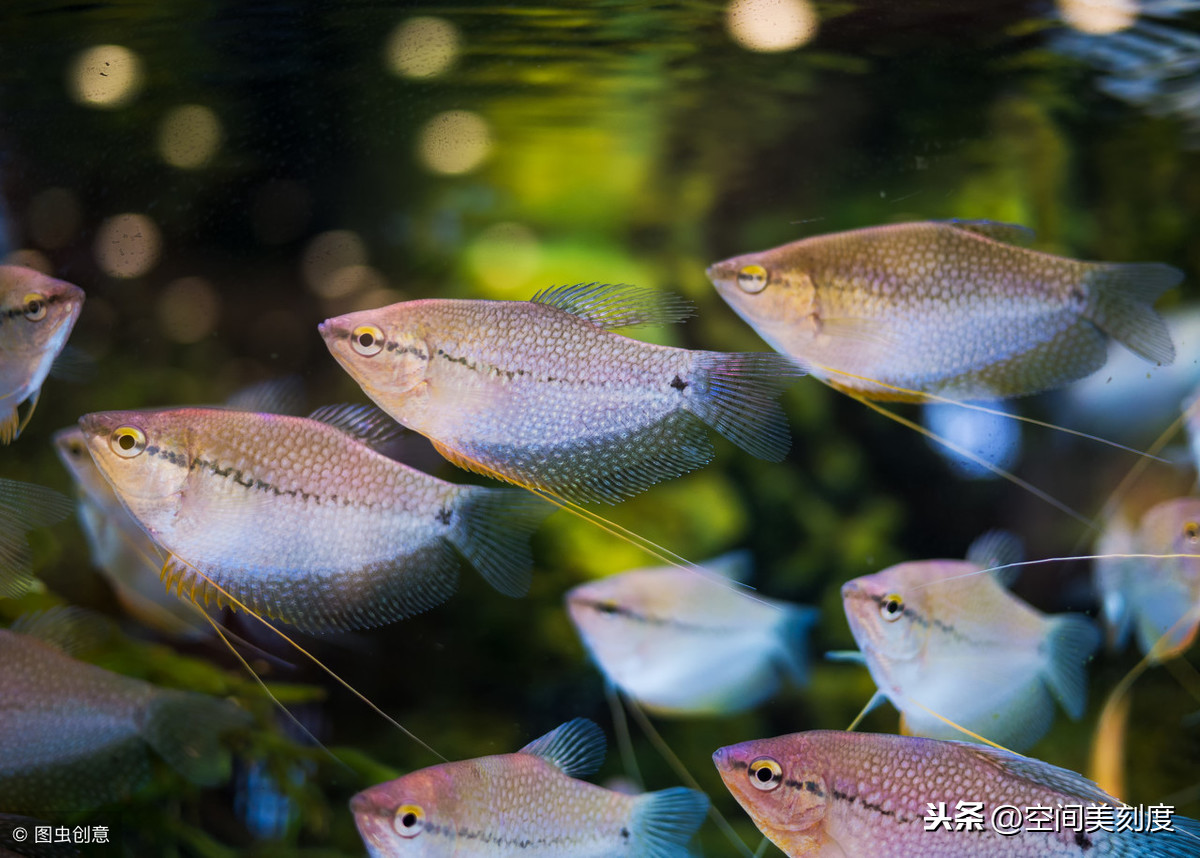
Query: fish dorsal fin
<point x="998" y="548"/>
<point x="1008" y="233"/>
<point x="273" y="396"/>
<point x="577" y="747"/>
<point x="1042" y="774"/>
<point x="364" y="423"/>
<point x="736" y="566"/>
<point x="68" y="629"/>
<point x="616" y="306"/>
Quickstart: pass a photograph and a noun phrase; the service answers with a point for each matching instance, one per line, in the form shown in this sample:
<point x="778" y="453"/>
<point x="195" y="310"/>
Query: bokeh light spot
<point x="326" y="255"/>
<point x="54" y="217"/>
<point x="767" y="26"/>
<point x="189" y="136"/>
<point x="422" y="47"/>
<point x="504" y="258"/>
<point x="1099" y="17"/>
<point x="127" y="245"/>
<point x="105" y="76"/>
<point x="188" y="309"/>
<point x="454" y="142"/>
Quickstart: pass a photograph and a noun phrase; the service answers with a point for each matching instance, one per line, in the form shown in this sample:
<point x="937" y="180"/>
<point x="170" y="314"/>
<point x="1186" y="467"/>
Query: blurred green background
<point x="221" y="176"/>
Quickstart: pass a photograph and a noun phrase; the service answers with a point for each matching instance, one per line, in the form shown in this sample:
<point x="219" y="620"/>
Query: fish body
<point x="1157" y="597"/>
<point x="951" y="309"/>
<point x="300" y="519"/>
<point x="129" y="559"/>
<point x="528" y="804"/>
<point x="941" y="636"/>
<point x="73" y="735"/>
<point x="37" y="314"/>
<point x="834" y="794"/>
<point x="683" y="644"/>
<point x="544" y="394"/>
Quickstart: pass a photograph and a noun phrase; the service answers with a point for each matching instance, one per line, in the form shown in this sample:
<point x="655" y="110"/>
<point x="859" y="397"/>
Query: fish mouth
<point x="361" y="805"/>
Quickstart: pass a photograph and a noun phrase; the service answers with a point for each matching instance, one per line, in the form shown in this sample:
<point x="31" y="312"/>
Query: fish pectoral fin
<point x="23" y="507"/>
<point x="364" y="423"/>
<point x="1007" y="233"/>
<point x="616" y="306"/>
<point x="9" y="426"/>
<point x="664" y="821"/>
<point x="185" y="729"/>
<point x="274" y="396"/>
<point x="1070" y="641"/>
<point x="577" y="748"/>
<point x="859" y="333"/>
<point x="31" y="404"/>
<point x="69" y="629"/>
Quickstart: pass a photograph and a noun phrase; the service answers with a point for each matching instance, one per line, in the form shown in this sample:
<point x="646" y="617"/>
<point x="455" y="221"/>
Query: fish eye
<point x="76" y="449"/>
<point x="891" y="607"/>
<point x="765" y="774"/>
<point x="127" y="441"/>
<point x="367" y="340"/>
<point x="1192" y="531"/>
<point x="409" y="820"/>
<point x="752" y="278"/>
<point x="35" y="306"/>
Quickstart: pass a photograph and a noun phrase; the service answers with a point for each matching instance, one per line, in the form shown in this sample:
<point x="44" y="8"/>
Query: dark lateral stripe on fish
<point x="613" y="609"/>
<point x="48" y="300"/>
<point x="919" y="619"/>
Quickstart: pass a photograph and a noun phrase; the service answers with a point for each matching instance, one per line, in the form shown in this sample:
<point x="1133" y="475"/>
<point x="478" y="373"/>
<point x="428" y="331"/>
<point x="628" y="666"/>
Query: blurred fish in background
<point x="23" y="507"/>
<point x="74" y="736"/>
<point x="681" y="643"/>
<point x="945" y="640"/>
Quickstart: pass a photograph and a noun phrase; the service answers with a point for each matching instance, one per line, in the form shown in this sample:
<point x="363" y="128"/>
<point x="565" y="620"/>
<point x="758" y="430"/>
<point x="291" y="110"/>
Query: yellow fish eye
<point x="127" y="441"/>
<point x="752" y="278"/>
<point x="409" y="820"/>
<point x="891" y="607"/>
<point x="765" y="774"/>
<point x="35" y="306"/>
<point x="1192" y="531"/>
<point x="367" y="340"/>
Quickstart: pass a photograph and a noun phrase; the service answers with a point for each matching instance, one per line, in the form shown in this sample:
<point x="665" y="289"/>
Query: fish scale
<point x="862" y="795"/>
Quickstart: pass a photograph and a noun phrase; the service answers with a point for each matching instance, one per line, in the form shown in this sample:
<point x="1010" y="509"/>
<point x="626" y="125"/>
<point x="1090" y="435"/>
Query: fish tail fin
<point x="1070" y="641"/>
<point x="794" y="631"/>
<point x="740" y="399"/>
<point x="1123" y="306"/>
<point x="185" y="729"/>
<point x="664" y="821"/>
<point x="492" y="530"/>
<point x="23" y="507"/>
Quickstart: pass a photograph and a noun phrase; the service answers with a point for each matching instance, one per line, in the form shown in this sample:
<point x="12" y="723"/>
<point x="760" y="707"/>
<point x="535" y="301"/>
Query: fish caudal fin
<point x="1123" y="296"/>
<point x="741" y="399"/>
<point x="663" y="822"/>
<point x="23" y="507"/>
<point x="1070" y="641"/>
<point x="185" y="729"/>
<point x="794" y="631"/>
<point x="492" y="530"/>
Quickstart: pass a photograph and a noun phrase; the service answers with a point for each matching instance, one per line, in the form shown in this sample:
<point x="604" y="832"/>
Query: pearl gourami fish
<point x="543" y="394"/>
<point x="1158" y="598"/>
<point x="23" y="507"/>
<point x="954" y="309"/>
<point x="681" y="644"/>
<point x="74" y="736"/>
<point x="37" y="314"/>
<point x="527" y="804"/>
<point x="946" y="637"/>
<point x="300" y="519"/>
<point x="129" y="559"/>
<point x="834" y="794"/>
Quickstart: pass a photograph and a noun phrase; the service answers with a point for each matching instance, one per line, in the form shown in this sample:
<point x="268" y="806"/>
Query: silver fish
<point x="525" y="805"/>
<point x="37" y="314"/>
<point x="300" y="519"/>
<point x="680" y="643"/>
